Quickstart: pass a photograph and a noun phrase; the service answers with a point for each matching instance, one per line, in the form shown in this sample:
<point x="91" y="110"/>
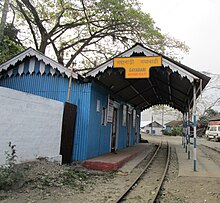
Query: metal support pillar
<point x="188" y="134"/>
<point x="183" y="130"/>
<point x="194" y="122"/>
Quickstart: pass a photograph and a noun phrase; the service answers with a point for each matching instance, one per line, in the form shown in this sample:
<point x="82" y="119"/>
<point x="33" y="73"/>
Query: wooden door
<point x="129" y="130"/>
<point x="114" y="130"/>
<point x="68" y="129"/>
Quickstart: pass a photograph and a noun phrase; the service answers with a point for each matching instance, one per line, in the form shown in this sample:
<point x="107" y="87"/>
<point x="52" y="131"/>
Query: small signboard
<point x="137" y="67"/>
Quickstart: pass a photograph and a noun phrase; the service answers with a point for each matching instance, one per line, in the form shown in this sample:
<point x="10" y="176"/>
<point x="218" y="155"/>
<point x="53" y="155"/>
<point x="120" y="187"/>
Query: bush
<point x="9" y="174"/>
<point x="176" y="131"/>
<point x="165" y="132"/>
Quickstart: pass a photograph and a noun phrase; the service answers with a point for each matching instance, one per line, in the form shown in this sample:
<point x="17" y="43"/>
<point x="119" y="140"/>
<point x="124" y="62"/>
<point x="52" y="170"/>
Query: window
<point x="134" y="118"/>
<point x="212" y="128"/>
<point x="98" y="105"/>
<point x="124" y="115"/>
<point x="104" y="116"/>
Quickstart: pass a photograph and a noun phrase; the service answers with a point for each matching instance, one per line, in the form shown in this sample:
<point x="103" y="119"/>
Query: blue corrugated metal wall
<point x="91" y="137"/>
<point x="99" y="137"/>
<point x="81" y="96"/>
<point x="56" y="87"/>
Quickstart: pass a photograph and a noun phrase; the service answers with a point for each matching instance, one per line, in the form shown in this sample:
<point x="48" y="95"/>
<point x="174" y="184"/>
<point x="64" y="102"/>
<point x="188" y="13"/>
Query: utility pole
<point x="3" y="19"/>
<point x="70" y="82"/>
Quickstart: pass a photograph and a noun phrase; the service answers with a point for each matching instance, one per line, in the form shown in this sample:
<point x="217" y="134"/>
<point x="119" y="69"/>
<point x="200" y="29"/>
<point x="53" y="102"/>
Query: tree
<point x="9" y="43"/>
<point x="3" y="19"/>
<point x="210" y="96"/>
<point x="208" y="103"/>
<point x="165" y="113"/>
<point x="94" y="29"/>
<point x="204" y="120"/>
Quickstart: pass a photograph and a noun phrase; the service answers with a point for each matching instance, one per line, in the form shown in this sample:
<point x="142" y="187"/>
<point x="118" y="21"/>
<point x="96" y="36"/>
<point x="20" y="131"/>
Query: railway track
<point x="211" y="153"/>
<point x="147" y="185"/>
<point x="212" y="148"/>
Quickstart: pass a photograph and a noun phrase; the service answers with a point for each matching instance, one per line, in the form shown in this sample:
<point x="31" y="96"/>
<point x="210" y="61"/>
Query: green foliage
<point x="165" y="132"/>
<point x="8" y="49"/>
<point x="94" y="29"/>
<point x="11" y="156"/>
<point x="176" y="131"/>
<point x="75" y="179"/>
<point x="204" y="119"/>
<point x="9" y="174"/>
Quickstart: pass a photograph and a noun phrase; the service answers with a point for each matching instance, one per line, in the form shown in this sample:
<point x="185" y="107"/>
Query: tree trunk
<point x="43" y="46"/>
<point x="3" y="19"/>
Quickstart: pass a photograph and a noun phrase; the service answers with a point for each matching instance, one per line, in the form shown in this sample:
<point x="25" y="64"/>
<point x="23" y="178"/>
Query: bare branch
<point x="29" y="23"/>
<point x="88" y="21"/>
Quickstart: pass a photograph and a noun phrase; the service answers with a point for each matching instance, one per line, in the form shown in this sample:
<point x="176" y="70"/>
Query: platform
<point x="206" y="167"/>
<point x="114" y="161"/>
<point x="126" y="159"/>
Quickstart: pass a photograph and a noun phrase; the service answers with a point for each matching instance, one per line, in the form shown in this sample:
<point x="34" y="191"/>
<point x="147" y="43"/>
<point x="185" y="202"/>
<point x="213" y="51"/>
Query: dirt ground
<point x="44" y="181"/>
<point x="189" y="189"/>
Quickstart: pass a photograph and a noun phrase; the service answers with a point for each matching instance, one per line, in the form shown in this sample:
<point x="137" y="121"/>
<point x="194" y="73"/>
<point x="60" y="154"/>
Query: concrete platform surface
<point x="114" y="161"/>
<point x="205" y="167"/>
<point x="211" y="143"/>
<point x="126" y="159"/>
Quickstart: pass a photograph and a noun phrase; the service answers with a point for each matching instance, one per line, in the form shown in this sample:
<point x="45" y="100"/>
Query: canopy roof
<point x="170" y="84"/>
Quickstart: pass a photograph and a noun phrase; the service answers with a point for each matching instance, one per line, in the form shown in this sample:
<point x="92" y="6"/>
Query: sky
<point x="195" y="22"/>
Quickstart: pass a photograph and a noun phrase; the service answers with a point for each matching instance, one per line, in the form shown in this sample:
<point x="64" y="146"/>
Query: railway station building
<point x="108" y="100"/>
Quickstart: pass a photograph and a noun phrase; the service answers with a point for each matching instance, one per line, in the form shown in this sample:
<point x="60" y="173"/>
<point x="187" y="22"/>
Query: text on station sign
<point x="137" y="67"/>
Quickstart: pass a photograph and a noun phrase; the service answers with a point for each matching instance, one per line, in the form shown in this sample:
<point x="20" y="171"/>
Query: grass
<point x="75" y="179"/>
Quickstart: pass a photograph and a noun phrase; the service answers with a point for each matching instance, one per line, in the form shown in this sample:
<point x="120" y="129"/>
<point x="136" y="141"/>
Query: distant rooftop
<point x="215" y="118"/>
<point x="174" y="123"/>
<point x="152" y="124"/>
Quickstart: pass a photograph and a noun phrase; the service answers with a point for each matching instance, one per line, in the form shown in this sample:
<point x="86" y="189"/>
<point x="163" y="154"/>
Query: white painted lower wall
<point x="32" y="123"/>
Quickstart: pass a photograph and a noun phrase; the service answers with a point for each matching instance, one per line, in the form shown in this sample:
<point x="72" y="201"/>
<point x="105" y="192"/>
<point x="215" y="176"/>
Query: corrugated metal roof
<point x="170" y="84"/>
<point x="144" y="123"/>
<point x="174" y="123"/>
<point x="30" y="52"/>
<point x="154" y="124"/>
<point x="215" y="118"/>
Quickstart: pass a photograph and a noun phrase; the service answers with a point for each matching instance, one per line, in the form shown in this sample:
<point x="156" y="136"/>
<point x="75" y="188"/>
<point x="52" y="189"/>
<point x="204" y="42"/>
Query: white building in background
<point x="144" y="123"/>
<point x="151" y="127"/>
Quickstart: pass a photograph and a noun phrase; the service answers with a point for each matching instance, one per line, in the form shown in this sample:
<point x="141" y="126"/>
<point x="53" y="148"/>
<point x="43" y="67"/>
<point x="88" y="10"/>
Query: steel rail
<point x="139" y="176"/>
<point x="212" y="148"/>
<point x="164" y="175"/>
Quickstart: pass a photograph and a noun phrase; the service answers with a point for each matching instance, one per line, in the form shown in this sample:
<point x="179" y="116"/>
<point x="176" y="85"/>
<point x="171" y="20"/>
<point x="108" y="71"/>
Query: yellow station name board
<point x="137" y="67"/>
